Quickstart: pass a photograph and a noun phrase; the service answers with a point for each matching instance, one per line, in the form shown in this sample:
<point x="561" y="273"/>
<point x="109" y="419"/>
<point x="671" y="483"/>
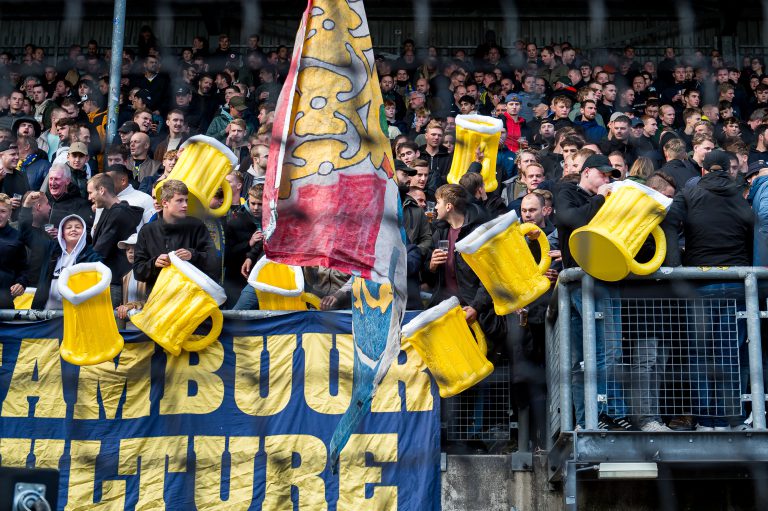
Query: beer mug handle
<point x="658" y="258"/>
<point x="200" y="344"/>
<point x="311" y="299"/>
<point x="546" y="261"/>
<point x="226" y="203"/>
<point x="480" y="337"/>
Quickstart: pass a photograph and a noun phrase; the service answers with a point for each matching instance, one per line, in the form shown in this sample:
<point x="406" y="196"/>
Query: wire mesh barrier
<point x="482" y="412"/>
<point x="671" y="357"/>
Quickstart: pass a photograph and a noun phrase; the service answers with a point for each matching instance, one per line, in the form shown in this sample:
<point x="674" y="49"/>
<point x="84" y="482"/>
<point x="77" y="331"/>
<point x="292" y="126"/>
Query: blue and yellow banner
<point x="243" y="425"/>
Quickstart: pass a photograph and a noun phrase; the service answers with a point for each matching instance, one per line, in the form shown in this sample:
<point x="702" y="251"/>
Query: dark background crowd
<point x="693" y="128"/>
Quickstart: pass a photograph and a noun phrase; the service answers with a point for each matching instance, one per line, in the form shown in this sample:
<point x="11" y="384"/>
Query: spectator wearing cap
<point x="514" y="123"/>
<point x="12" y="182"/>
<point x="237" y="109"/>
<point x="145" y="121"/>
<point x="117" y="221"/>
<point x="77" y="158"/>
<point x="718" y="226"/>
<point x="122" y="178"/>
<point x="125" y="132"/>
<point x="417" y="227"/>
<point x="134" y="292"/>
<point x="757" y="177"/>
<point x="577" y="204"/>
<point x="177" y="134"/>
<point x="141" y="100"/>
<point x="140" y="162"/>
<point x="33" y="163"/>
<point x="26" y="126"/>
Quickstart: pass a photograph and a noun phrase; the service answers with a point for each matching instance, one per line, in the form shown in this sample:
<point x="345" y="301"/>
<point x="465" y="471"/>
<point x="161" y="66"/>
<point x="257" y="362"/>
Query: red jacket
<point x="514" y="131"/>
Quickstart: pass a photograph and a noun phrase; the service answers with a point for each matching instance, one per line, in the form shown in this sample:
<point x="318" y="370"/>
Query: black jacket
<point x="717" y="223"/>
<point x="575" y="208"/>
<point x="417" y="227"/>
<point x="439" y="167"/>
<point x="36" y="240"/>
<point x="160" y="237"/>
<point x="681" y="171"/>
<point x="116" y="224"/>
<point x="15" y="183"/>
<point x="238" y="232"/>
<point x="13" y="262"/>
<point x="70" y="203"/>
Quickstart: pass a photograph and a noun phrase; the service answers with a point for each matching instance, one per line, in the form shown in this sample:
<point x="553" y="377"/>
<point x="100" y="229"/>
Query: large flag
<point x="330" y="197"/>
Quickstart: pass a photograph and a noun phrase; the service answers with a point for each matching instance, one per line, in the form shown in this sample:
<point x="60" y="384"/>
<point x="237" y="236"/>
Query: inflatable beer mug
<point x="203" y="167"/>
<point x="442" y="338"/>
<point x="280" y="287"/>
<point x="499" y="255"/>
<point x="606" y="247"/>
<point x="24" y="300"/>
<point x="182" y="298"/>
<point x="90" y="330"/>
<point x="473" y="131"/>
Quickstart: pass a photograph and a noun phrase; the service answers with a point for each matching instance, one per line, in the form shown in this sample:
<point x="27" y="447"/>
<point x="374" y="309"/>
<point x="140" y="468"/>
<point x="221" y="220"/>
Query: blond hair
<point x="172" y="187"/>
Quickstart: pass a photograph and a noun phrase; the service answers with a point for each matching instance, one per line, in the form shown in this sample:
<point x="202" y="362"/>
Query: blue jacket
<point x="758" y="198"/>
<point x="592" y="130"/>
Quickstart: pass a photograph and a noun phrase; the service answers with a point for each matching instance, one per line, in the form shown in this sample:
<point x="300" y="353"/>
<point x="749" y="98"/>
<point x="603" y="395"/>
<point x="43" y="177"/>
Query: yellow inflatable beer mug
<point x="472" y="132"/>
<point x="24" y="300"/>
<point x="182" y="298"/>
<point x="90" y="330"/>
<point x="606" y="247"/>
<point x="442" y="338"/>
<point x="203" y="166"/>
<point x="500" y="257"/>
<point x="280" y="287"/>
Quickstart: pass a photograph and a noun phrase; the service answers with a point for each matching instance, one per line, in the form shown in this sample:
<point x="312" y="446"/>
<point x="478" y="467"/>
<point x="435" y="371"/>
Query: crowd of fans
<point x="692" y="128"/>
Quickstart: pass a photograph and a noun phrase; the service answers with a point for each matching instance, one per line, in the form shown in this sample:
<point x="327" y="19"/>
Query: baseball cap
<point x="402" y="167"/>
<point x="128" y="127"/>
<point x="144" y="95"/>
<point x="546" y="120"/>
<point x="182" y="91"/>
<point x="565" y="80"/>
<point x="78" y="147"/>
<point x="238" y="103"/>
<point x="7" y="145"/>
<point x="637" y="122"/>
<point x="717" y="160"/>
<point x="755" y="167"/>
<point x="616" y="115"/>
<point x="131" y="241"/>
<point x="601" y="163"/>
<point x="513" y="98"/>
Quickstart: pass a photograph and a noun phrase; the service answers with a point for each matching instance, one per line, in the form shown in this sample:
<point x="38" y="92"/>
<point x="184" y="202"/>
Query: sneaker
<point x="681" y="423"/>
<point x="722" y="428"/>
<point x="605" y="422"/>
<point x="625" y="424"/>
<point x="742" y="427"/>
<point x="654" y="427"/>
<point x="699" y="427"/>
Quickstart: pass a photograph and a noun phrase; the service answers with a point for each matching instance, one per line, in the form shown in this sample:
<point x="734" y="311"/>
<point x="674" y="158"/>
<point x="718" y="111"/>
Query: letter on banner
<point x="250" y="397"/>
<point x="179" y="373"/>
<point x="282" y="474"/>
<point x="132" y="375"/>
<point x="318" y="373"/>
<point x="153" y="453"/>
<point x="209" y="451"/>
<point x="82" y="481"/>
<point x="41" y="357"/>
<point x="355" y="474"/>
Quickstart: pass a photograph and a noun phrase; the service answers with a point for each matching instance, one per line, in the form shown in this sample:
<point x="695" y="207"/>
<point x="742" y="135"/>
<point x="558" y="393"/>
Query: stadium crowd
<point x="693" y="128"/>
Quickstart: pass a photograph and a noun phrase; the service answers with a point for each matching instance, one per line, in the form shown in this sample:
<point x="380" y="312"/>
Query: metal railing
<point x="692" y="362"/>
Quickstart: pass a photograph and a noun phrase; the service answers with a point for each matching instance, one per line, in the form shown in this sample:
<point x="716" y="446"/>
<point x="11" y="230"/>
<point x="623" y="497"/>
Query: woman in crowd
<point x="72" y="248"/>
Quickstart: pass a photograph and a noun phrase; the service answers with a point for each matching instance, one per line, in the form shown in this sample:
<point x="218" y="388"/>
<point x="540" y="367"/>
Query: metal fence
<point x="661" y="354"/>
<point x="482" y="412"/>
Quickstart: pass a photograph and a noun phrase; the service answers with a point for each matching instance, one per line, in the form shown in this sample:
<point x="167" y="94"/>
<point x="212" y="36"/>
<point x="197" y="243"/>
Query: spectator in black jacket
<point x="437" y="157"/>
<point x="577" y="204"/>
<point x="678" y="165"/>
<point x="33" y="218"/>
<point x="174" y="231"/>
<point x="718" y="226"/>
<point x="117" y="222"/>
<point x="13" y="257"/>
<point x="244" y="244"/>
<point x="12" y="182"/>
<point x="64" y="196"/>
